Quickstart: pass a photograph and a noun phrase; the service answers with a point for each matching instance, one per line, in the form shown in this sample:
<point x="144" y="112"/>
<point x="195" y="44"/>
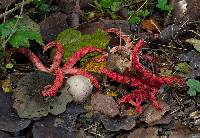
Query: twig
<point x="139" y="8"/>
<point x="19" y="5"/>
<point x="142" y="6"/>
<point x="13" y="30"/>
<point x="4" y="18"/>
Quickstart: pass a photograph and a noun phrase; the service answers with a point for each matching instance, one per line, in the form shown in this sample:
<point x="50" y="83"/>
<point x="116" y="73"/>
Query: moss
<point x="93" y="66"/>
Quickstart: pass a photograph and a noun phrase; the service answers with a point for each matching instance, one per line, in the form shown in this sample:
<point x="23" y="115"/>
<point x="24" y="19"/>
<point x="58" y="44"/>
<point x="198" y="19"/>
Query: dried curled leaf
<point x="151" y="25"/>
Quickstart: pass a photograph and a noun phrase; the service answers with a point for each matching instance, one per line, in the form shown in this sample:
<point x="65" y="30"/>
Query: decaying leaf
<point x="6" y="85"/>
<point x="4" y="135"/>
<point x="193" y="58"/>
<point x="29" y="102"/>
<point x="150" y="132"/>
<point x="9" y="120"/>
<point x="61" y="126"/>
<point x="151" y="114"/>
<point x="120" y="61"/>
<point x="116" y="124"/>
<point x="104" y="104"/>
<point x="51" y="26"/>
<point x="183" y="131"/>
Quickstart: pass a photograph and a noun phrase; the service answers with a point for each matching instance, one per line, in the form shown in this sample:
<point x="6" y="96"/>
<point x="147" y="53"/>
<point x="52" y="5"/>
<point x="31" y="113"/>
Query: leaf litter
<point x="56" y="116"/>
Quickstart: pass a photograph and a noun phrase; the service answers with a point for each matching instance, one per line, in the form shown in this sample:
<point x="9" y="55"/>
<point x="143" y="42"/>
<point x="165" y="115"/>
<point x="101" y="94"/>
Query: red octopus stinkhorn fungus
<point x="51" y="90"/>
<point x="146" y="87"/>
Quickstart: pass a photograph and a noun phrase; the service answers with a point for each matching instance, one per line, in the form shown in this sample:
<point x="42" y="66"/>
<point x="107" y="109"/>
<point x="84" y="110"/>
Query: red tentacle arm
<point x="149" y="77"/>
<point x="78" y="55"/>
<point x="125" y="37"/>
<point x="132" y="81"/>
<point x="58" y="54"/>
<point x="32" y="57"/>
<point x="51" y="90"/>
<point x="136" y="98"/>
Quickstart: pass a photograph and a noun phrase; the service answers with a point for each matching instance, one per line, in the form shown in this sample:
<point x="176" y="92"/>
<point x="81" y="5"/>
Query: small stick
<point x="19" y="5"/>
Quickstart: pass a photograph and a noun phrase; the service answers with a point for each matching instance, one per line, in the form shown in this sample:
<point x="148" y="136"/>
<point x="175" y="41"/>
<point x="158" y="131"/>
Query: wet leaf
<point x="29" y="102"/>
<point x="116" y="124"/>
<point x="4" y="135"/>
<point x="194" y="87"/>
<point x="62" y="126"/>
<point x="150" y="132"/>
<point x="9" y="120"/>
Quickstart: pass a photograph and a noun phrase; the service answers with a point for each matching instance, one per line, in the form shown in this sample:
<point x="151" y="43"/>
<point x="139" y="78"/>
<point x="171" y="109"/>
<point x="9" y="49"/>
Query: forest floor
<point x="100" y="68"/>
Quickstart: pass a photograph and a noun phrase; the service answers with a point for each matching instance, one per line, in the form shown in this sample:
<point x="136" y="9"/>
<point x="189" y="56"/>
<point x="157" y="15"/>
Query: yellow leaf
<point x="6" y="85"/>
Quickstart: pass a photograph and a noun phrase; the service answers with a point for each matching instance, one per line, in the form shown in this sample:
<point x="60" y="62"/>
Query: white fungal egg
<point x="80" y="87"/>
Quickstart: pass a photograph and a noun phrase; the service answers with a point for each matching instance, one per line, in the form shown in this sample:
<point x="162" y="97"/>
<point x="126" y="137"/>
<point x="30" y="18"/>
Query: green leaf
<point x="112" y="14"/>
<point x="25" y="30"/>
<point x="106" y="3"/>
<point x="143" y="13"/>
<point x="73" y="40"/>
<point x="115" y="6"/>
<point x="9" y="66"/>
<point x="166" y="72"/>
<point x="195" y="43"/>
<point x="194" y="87"/>
<point x="134" y="20"/>
<point x="21" y="38"/>
<point x="7" y="28"/>
<point x="192" y="92"/>
<point x="41" y="4"/>
<point x="163" y="6"/>
<point x="135" y="17"/>
<point x="182" y="67"/>
<point x="44" y="8"/>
